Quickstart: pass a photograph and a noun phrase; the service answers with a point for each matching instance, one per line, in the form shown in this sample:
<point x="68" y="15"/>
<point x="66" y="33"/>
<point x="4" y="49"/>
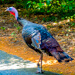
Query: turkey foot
<point x="39" y="70"/>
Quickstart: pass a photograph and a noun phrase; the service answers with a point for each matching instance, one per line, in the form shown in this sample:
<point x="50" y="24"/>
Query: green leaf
<point x="13" y="33"/>
<point x="29" y="2"/>
<point x="63" y="4"/>
<point x="3" y="28"/>
<point x="48" y="11"/>
<point x="57" y="1"/>
<point x="40" y="5"/>
<point x="29" y="6"/>
<point x="34" y="2"/>
<point x="70" y="7"/>
<point x="48" y="2"/>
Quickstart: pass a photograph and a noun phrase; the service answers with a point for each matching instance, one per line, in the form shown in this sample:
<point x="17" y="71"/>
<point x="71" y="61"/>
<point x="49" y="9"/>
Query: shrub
<point x="63" y="8"/>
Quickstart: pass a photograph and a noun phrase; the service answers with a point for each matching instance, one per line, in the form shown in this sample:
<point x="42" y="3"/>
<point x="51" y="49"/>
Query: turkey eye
<point x="10" y="9"/>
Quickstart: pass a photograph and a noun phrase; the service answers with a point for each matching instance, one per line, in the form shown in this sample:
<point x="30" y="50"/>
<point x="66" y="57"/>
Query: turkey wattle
<point x="39" y="39"/>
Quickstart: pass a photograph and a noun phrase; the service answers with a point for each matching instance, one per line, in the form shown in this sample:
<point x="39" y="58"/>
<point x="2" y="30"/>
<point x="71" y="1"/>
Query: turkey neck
<point x="22" y="21"/>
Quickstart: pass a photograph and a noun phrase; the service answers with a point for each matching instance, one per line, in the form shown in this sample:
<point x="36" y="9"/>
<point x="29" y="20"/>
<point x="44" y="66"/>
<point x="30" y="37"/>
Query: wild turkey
<point x="39" y="39"/>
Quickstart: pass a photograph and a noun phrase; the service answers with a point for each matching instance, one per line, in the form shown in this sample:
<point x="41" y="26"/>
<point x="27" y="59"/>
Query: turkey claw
<point x="39" y="72"/>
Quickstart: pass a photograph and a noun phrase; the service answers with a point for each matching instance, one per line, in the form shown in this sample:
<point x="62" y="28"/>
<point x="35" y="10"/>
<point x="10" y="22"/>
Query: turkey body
<point x="39" y="38"/>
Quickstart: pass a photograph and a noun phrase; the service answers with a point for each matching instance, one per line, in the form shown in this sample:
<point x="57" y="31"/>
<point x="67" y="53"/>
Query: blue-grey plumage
<point x="36" y="32"/>
<point x="40" y="39"/>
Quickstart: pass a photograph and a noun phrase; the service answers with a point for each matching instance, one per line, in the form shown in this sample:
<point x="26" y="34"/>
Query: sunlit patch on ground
<point x="49" y="62"/>
<point x="17" y="66"/>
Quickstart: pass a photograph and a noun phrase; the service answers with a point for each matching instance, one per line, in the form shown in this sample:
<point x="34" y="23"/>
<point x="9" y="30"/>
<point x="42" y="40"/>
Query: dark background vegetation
<point x="56" y="9"/>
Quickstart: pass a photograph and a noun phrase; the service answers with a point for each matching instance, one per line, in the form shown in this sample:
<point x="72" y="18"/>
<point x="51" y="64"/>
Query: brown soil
<point x="16" y="46"/>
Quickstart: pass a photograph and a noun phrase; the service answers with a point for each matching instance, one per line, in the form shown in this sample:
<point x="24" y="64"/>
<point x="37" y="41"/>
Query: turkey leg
<point x="39" y="66"/>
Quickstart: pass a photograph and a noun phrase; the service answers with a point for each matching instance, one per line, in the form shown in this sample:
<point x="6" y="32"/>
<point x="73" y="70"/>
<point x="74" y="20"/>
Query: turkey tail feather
<point x="67" y="57"/>
<point x="61" y="56"/>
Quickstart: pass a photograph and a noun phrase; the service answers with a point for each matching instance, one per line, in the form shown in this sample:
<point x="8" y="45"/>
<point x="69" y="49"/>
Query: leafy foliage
<point x="13" y="34"/>
<point x="64" y="9"/>
<point x="71" y="24"/>
<point x="3" y="28"/>
<point x="52" y="6"/>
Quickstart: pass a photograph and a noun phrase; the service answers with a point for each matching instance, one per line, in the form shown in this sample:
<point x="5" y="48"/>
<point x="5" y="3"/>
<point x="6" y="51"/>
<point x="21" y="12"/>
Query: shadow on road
<point x="26" y="71"/>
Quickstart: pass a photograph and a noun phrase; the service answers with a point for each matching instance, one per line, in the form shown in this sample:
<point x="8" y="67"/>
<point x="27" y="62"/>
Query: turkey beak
<point x="7" y="9"/>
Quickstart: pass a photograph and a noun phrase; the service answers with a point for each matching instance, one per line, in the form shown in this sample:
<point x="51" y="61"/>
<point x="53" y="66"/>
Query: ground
<point x="11" y="42"/>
